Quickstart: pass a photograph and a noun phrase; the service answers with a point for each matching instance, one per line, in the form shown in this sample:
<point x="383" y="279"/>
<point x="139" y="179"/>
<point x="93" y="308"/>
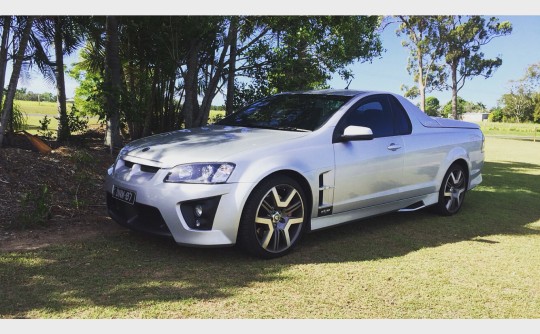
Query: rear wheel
<point x="273" y="218"/>
<point x="452" y="192"/>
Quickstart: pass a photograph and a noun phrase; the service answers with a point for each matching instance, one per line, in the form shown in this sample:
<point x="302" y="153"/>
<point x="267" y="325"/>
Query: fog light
<point x="198" y="210"/>
<point x="199" y="214"/>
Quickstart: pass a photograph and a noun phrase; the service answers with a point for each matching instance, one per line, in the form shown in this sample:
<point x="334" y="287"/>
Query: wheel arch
<point x="458" y="155"/>
<point x="298" y="177"/>
<point x="463" y="163"/>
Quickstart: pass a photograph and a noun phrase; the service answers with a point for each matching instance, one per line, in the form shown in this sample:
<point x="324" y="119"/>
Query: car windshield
<point x="292" y="112"/>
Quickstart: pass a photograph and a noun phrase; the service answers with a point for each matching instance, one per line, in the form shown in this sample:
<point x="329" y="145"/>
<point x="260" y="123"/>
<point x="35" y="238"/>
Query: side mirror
<point x="353" y="132"/>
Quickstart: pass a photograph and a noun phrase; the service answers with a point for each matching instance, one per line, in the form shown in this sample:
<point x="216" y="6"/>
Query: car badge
<point x="145" y="149"/>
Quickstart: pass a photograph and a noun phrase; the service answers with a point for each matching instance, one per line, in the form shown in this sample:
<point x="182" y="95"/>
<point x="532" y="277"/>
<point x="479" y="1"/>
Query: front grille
<point x="138" y="217"/>
<point x="144" y="168"/>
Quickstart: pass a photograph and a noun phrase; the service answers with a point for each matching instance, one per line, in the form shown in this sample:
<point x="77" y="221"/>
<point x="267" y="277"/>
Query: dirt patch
<point x="56" y="197"/>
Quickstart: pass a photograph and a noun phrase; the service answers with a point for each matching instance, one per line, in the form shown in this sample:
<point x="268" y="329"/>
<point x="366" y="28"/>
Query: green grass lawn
<point x="35" y="112"/>
<point x="482" y="263"/>
<point x="511" y="129"/>
<point x="44" y="108"/>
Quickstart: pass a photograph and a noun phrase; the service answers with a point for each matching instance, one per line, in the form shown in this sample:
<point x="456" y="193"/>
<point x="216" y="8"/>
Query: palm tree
<point x="17" y="65"/>
<point x="66" y="34"/>
<point x="6" y="26"/>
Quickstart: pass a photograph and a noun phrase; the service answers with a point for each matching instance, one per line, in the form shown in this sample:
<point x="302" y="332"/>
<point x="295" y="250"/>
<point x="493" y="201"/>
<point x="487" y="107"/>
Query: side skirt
<point x="345" y="217"/>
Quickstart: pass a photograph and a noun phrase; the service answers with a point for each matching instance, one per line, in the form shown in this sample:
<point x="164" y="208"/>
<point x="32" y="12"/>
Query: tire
<point x="453" y="189"/>
<point x="273" y="218"/>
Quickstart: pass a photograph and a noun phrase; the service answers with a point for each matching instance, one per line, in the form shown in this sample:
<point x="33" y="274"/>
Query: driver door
<point x="368" y="172"/>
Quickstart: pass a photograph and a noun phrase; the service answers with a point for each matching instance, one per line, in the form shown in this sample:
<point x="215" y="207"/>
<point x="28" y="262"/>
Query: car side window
<point x="374" y="113"/>
<point x="402" y="123"/>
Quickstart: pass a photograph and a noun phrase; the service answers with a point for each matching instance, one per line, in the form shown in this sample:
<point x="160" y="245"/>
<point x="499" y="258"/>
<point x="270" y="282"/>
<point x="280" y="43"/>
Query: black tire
<point x="273" y="218"/>
<point x="453" y="189"/>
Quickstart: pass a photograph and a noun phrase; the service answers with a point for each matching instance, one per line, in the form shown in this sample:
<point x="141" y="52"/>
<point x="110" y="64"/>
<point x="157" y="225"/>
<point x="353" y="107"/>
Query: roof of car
<point x="339" y="92"/>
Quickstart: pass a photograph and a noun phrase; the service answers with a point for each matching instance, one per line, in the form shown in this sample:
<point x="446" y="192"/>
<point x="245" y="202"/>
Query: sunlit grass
<point x="514" y="129"/>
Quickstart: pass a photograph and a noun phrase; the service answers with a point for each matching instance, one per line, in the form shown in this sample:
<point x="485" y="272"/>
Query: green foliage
<point x="432" y="106"/>
<point x="44" y="127"/>
<point x="496" y="115"/>
<point x="20" y="120"/>
<point x="23" y="95"/>
<point x="536" y="113"/>
<point x="76" y="122"/>
<point x="518" y="106"/>
<point x="447" y="108"/>
<point x="522" y="103"/>
<point x="426" y="49"/>
<point x="463" y="106"/>
<point x="88" y="94"/>
<point x="37" y="209"/>
<point x="82" y="158"/>
<point x="304" y="51"/>
<point x="448" y="47"/>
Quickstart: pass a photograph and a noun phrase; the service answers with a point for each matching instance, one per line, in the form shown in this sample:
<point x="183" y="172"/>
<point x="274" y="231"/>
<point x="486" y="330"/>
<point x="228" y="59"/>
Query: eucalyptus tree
<point x="426" y="49"/>
<point x="18" y="60"/>
<point x="463" y="37"/>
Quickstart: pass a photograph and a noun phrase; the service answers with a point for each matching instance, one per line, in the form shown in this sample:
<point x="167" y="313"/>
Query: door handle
<point x="393" y="147"/>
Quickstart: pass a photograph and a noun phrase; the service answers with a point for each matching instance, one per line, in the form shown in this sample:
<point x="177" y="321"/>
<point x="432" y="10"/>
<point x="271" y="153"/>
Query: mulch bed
<point x="56" y="195"/>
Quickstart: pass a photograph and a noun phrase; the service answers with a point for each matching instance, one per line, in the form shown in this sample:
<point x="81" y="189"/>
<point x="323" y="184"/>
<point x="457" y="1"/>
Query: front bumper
<point x="165" y="209"/>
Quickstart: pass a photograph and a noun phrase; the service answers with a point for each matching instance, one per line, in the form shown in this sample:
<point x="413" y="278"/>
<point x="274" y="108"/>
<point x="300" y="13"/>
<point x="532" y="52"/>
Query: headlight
<point x="120" y="155"/>
<point x="200" y="173"/>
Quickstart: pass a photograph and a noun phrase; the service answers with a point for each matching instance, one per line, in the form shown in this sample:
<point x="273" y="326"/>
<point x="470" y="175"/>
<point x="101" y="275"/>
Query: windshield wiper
<point x="282" y="128"/>
<point x="291" y="128"/>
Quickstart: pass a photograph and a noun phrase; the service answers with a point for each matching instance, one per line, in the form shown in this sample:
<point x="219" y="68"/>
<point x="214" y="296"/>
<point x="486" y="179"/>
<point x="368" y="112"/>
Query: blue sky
<point x="518" y="50"/>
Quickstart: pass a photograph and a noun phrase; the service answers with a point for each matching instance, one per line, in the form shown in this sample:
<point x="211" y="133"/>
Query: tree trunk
<point x="17" y="65"/>
<point x="191" y="105"/>
<point x="147" y="127"/>
<point x="3" y="55"/>
<point x="112" y="84"/>
<point x="454" y="90"/>
<point x="63" y="132"/>
<point x="212" y="88"/>
<point x="229" y="106"/>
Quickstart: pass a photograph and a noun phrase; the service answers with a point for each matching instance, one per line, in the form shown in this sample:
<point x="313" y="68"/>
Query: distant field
<point x="511" y="129"/>
<point x="36" y="111"/>
<point x="44" y="108"/>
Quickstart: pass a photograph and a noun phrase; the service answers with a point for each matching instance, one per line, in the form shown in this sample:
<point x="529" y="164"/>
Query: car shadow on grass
<point x="127" y="270"/>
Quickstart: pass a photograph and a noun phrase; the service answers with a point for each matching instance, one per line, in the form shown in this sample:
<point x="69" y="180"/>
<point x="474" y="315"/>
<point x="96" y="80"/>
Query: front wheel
<point x="452" y="192"/>
<point x="273" y="218"/>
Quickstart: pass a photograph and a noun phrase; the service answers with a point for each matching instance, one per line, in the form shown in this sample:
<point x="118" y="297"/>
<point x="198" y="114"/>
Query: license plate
<point x="124" y="195"/>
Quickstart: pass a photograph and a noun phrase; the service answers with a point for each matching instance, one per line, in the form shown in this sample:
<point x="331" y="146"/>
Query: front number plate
<point x="124" y="195"/>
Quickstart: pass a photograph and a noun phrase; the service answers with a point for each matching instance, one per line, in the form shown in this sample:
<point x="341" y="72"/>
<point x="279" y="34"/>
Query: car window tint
<point x="302" y="111"/>
<point x="402" y="123"/>
<point x="374" y="113"/>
